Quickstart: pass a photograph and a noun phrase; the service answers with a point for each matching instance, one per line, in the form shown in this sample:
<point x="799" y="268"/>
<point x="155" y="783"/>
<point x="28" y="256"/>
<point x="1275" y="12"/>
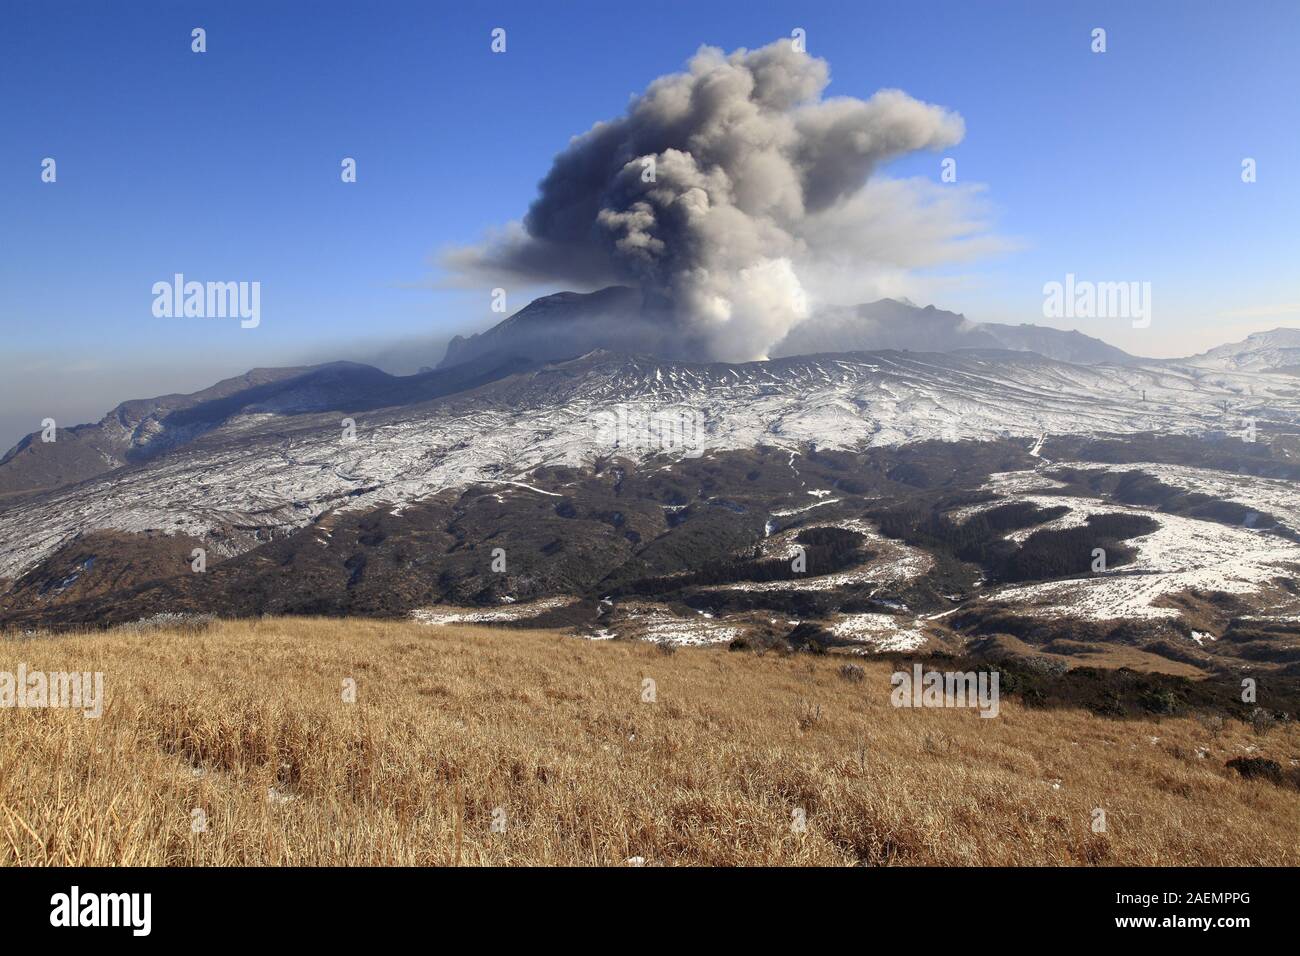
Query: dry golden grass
<point x="246" y="722"/>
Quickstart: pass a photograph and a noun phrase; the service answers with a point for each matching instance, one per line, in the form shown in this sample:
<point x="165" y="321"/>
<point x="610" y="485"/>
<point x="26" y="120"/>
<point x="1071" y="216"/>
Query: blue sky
<point x="225" y="165"/>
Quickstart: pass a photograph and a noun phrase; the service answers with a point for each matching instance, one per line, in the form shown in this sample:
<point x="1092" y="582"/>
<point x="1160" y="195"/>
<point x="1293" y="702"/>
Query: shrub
<point x="1257" y="768"/>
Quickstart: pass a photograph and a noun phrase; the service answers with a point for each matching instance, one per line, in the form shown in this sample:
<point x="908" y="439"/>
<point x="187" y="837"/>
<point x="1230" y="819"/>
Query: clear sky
<point x="225" y="165"/>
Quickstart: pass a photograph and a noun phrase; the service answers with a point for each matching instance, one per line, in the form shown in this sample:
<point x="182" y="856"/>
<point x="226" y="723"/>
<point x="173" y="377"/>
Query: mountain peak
<point x="899" y="324"/>
<point x="622" y="320"/>
<point x="1275" y="349"/>
<point x="565" y="325"/>
<point x="1281" y="333"/>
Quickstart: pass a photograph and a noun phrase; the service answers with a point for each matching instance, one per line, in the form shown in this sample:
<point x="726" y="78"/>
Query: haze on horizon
<point x="1116" y="166"/>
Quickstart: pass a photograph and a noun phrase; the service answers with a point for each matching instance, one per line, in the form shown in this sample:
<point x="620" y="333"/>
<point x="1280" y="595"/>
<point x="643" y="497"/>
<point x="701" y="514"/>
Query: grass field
<point x="234" y="745"/>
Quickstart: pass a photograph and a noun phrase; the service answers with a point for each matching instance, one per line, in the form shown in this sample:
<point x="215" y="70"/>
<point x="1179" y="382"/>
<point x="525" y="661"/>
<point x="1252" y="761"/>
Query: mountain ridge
<point x="897" y="470"/>
<point x="1275" y="349"/>
<point x="552" y="328"/>
<point x="271" y="471"/>
<point x="617" y="318"/>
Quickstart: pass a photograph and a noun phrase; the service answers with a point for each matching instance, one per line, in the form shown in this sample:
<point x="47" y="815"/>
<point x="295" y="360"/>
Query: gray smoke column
<point x="708" y="191"/>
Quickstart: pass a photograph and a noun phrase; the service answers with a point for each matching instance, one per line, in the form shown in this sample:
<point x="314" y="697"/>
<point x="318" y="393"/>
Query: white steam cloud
<point x="758" y="182"/>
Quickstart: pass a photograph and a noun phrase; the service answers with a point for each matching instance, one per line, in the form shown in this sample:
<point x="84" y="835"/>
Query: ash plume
<point x="722" y="185"/>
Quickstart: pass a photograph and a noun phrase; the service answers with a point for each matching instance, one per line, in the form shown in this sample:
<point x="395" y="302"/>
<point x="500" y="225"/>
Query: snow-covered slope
<point x="143" y="428"/>
<point x="1262" y="351"/>
<point x="1182" y="554"/>
<point x="260" y="475"/>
